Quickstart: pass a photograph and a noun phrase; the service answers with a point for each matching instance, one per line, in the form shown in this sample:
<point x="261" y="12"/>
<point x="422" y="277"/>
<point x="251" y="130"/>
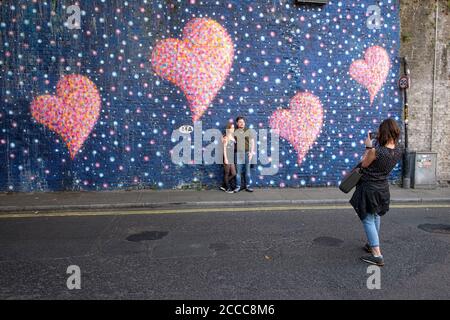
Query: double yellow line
<point x="131" y="212"/>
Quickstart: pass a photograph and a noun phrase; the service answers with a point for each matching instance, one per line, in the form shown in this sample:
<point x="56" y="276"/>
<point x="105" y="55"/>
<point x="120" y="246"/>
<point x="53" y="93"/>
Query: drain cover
<point x="435" y="228"/>
<point x="328" y="241"/>
<point x="147" y="236"/>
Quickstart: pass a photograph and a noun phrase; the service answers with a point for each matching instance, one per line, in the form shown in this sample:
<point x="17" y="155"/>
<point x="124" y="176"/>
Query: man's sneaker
<point x="378" y="261"/>
<point x="237" y="190"/>
<point x="229" y="191"/>
<point x="367" y="248"/>
<point x="248" y="189"/>
<point x="222" y="188"/>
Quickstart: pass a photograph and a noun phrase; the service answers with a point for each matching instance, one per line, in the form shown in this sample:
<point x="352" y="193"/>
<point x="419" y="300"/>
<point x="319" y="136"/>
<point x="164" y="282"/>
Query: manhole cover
<point x="435" y="228"/>
<point x="328" y="241"/>
<point x="147" y="236"/>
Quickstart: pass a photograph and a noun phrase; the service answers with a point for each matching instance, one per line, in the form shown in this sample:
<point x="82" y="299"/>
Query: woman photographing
<point x="372" y="197"/>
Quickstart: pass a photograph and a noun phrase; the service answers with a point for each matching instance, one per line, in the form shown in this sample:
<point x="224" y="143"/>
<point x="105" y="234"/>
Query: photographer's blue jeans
<point x="372" y="228"/>
<point x="242" y="167"/>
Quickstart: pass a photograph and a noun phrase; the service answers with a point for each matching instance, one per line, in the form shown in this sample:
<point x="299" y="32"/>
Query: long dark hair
<point x="388" y="130"/>
<point x="227" y="127"/>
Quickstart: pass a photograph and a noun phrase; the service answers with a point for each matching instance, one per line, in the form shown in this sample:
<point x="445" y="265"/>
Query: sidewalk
<point x="49" y="201"/>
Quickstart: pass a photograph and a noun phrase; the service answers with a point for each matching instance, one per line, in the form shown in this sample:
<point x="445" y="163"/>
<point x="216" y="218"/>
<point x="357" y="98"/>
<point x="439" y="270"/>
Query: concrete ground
<point x="246" y="252"/>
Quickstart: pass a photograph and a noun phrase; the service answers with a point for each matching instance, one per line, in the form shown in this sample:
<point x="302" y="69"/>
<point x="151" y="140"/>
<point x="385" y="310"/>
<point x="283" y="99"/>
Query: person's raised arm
<point x="370" y="154"/>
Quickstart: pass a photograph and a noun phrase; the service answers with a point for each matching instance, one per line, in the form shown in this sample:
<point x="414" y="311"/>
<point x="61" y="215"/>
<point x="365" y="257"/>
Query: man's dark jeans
<point x="243" y="166"/>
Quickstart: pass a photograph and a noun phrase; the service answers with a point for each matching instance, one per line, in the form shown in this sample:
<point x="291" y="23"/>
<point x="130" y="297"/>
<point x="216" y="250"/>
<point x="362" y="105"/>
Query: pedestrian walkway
<point x="15" y="202"/>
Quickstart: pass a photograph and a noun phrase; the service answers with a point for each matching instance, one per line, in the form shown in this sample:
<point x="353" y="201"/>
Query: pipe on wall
<point x="434" y="73"/>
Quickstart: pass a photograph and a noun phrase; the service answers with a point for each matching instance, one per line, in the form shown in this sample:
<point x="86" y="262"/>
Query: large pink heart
<point x="72" y="113"/>
<point x="301" y="124"/>
<point x="198" y="64"/>
<point x="372" y="71"/>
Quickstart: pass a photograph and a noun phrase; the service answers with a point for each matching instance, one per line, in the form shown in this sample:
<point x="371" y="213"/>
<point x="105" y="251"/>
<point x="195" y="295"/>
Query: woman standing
<point x="371" y="198"/>
<point x="229" y="166"/>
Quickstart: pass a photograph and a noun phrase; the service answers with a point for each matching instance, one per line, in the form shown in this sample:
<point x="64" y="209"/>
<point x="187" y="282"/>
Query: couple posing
<point x="238" y="153"/>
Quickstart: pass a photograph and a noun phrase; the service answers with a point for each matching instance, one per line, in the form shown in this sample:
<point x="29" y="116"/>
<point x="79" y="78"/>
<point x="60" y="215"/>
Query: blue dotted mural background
<point x="280" y="48"/>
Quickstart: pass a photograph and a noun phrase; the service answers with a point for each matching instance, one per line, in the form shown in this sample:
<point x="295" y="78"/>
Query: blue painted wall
<point x="280" y="49"/>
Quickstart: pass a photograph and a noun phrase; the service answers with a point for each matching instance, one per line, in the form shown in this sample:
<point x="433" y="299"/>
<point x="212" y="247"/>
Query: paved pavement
<point x="182" y="198"/>
<point x="303" y="252"/>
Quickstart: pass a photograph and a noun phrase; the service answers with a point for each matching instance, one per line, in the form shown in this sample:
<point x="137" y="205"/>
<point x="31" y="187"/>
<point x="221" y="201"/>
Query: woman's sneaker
<point x="222" y="188"/>
<point x="378" y="261"/>
<point x="229" y="191"/>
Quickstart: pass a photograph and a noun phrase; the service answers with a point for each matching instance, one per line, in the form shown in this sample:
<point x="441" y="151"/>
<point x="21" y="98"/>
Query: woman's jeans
<point x="372" y="228"/>
<point x="243" y="166"/>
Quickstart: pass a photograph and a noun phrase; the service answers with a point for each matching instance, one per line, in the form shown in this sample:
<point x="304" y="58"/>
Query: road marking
<point x="125" y="212"/>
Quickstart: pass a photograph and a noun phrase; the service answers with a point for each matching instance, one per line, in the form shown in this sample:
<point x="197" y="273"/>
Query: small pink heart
<point x="372" y="71"/>
<point x="301" y="124"/>
<point x="199" y="64"/>
<point x="72" y="113"/>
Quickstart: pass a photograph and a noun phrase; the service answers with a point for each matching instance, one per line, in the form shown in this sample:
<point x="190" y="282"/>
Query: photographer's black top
<point x="380" y="169"/>
<point x="372" y="191"/>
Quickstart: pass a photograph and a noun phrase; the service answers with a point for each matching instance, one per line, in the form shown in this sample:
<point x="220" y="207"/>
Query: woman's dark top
<point x="372" y="192"/>
<point x="230" y="151"/>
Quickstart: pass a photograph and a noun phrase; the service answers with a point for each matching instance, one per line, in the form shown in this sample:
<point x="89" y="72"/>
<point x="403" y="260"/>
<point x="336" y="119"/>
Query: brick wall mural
<point x="93" y="106"/>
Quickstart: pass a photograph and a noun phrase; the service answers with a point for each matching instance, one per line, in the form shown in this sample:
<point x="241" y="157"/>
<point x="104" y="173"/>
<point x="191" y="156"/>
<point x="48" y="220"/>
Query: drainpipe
<point x="434" y="74"/>
<point x="406" y="158"/>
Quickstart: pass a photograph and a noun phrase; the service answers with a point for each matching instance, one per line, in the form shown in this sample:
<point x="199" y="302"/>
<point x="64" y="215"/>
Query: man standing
<point x="245" y="151"/>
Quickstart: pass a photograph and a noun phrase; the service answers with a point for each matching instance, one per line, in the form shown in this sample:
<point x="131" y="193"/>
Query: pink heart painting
<point x="72" y="113"/>
<point x="198" y="64"/>
<point x="301" y="124"/>
<point x="372" y="71"/>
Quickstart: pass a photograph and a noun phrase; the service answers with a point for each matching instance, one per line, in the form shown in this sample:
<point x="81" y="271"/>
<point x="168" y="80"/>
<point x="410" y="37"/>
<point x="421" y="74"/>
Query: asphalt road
<point x="265" y="253"/>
